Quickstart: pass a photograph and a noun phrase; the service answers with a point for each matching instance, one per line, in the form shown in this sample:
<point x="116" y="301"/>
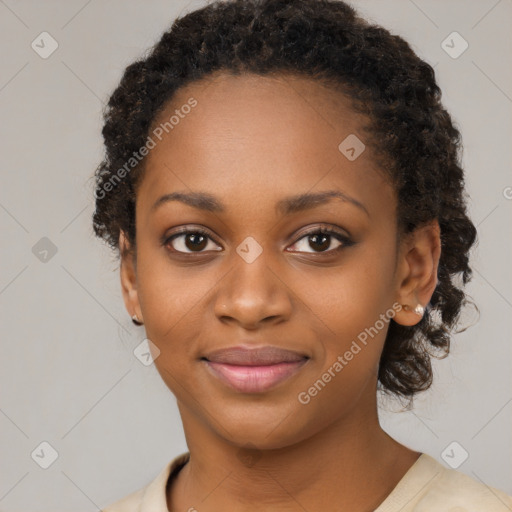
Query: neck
<point x="352" y="463"/>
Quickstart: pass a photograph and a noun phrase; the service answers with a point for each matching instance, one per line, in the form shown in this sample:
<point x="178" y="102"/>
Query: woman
<point x="284" y="189"/>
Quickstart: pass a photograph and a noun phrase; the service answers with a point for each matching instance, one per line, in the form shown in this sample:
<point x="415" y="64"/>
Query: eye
<point x="188" y="241"/>
<point x="196" y="240"/>
<point x="321" y="239"/>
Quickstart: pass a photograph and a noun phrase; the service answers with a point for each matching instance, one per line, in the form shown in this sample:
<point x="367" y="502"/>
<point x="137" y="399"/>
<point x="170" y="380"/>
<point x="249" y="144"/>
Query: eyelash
<point x="345" y="241"/>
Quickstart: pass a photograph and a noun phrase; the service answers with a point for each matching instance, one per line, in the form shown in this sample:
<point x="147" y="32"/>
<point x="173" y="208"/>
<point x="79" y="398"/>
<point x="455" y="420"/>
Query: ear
<point x="417" y="266"/>
<point x="128" y="274"/>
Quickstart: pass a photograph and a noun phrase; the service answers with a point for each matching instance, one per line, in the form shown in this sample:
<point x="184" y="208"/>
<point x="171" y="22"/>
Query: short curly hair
<point x="413" y="136"/>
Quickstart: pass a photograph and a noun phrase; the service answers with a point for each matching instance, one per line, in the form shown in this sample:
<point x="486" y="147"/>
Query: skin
<point x="251" y="141"/>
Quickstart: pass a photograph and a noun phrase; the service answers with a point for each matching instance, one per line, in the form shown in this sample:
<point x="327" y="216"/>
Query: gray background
<point x="68" y="373"/>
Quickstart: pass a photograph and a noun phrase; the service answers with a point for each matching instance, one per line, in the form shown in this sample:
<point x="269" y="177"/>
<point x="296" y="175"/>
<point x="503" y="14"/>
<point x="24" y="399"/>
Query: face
<point x="310" y="276"/>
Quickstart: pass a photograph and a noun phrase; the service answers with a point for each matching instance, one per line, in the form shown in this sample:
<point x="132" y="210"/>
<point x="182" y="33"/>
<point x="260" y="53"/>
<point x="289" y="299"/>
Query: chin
<point x="269" y="430"/>
<point x="257" y="439"/>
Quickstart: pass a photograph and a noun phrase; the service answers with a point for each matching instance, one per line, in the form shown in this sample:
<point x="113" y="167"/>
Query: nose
<point x="252" y="294"/>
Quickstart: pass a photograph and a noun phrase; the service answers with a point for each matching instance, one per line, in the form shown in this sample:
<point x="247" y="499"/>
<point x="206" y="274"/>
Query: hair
<point x="413" y="137"/>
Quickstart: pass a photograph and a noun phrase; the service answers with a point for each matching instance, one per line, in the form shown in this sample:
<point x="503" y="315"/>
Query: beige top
<point x="428" y="486"/>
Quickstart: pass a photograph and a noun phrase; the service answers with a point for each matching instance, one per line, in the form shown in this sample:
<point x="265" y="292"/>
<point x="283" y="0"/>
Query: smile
<point x="254" y="379"/>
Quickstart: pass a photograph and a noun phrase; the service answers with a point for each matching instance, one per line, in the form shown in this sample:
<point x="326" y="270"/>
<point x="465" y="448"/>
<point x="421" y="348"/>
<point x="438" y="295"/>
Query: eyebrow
<point x="287" y="206"/>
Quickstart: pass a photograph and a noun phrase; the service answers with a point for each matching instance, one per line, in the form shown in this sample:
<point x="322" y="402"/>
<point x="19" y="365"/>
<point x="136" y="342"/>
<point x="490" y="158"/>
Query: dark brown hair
<point x="413" y="135"/>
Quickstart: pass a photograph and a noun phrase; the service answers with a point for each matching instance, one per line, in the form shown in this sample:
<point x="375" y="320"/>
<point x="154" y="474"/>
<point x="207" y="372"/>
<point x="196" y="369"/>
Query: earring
<point x="136" y="321"/>
<point x="419" y="309"/>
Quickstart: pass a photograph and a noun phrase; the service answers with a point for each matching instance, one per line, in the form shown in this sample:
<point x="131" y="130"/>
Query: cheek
<point x="350" y="308"/>
<point x="171" y="299"/>
<point x="350" y="296"/>
<point x="168" y="292"/>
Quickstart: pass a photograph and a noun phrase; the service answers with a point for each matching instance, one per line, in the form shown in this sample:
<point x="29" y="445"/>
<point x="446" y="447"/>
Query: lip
<point x="254" y="370"/>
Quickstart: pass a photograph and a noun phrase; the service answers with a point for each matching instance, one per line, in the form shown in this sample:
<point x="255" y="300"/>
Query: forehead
<point x="272" y="135"/>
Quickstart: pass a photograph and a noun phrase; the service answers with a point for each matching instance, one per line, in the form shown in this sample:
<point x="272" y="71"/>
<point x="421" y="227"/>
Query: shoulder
<point x="130" y="503"/>
<point x="453" y="491"/>
<point x="152" y="497"/>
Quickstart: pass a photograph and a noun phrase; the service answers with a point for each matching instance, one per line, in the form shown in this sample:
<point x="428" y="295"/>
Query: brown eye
<point x="197" y="240"/>
<point x="321" y="240"/>
<point x="190" y="241"/>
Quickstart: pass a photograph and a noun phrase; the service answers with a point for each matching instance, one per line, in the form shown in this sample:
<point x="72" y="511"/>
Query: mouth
<point x="254" y="370"/>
